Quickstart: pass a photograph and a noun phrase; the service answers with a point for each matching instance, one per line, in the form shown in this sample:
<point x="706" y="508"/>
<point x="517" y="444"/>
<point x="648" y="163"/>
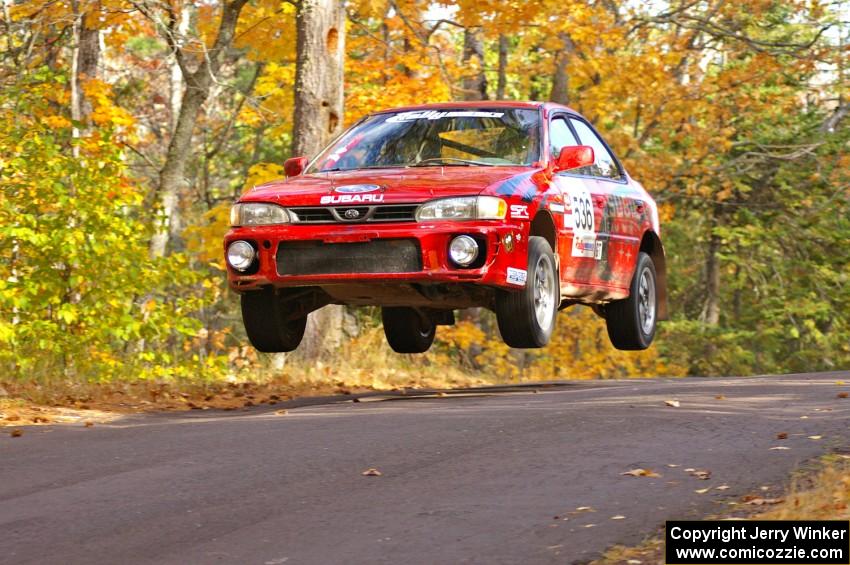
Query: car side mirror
<point x="574" y="157"/>
<point x="295" y="166"/>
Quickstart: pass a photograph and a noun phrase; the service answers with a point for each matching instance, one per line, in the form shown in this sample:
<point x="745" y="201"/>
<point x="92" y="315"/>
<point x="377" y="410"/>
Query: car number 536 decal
<point x="582" y="212"/>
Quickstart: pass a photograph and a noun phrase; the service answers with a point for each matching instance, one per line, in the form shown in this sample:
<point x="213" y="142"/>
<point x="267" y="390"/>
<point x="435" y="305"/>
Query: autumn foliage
<point x="731" y="114"/>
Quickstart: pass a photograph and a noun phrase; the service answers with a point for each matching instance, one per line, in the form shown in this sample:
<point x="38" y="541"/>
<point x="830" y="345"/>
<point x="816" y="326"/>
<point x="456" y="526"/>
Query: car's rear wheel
<point x="527" y="317"/>
<point x="407" y="329"/>
<point x="632" y="322"/>
<point x="268" y="322"/>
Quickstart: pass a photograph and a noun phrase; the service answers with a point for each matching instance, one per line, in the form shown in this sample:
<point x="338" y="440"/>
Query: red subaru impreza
<point x="519" y="207"/>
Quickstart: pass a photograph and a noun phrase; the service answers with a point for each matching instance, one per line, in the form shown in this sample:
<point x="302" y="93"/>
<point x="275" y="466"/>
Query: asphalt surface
<point x="495" y="477"/>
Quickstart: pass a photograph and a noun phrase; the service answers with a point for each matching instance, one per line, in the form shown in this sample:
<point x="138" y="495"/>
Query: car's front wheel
<point x="527" y="317"/>
<point x="408" y="330"/>
<point x="631" y="322"/>
<point x="268" y="323"/>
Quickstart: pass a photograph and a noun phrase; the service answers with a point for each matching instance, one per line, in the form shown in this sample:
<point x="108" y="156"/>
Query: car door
<point x="578" y="231"/>
<point x="615" y="202"/>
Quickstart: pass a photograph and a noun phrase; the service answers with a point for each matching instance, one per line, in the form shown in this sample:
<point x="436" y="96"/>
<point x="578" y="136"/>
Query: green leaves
<point x="79" y="294"/>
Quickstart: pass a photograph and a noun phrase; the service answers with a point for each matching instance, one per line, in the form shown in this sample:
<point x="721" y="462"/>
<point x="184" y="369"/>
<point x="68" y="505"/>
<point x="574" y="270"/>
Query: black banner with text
<point x="762" y="542"/>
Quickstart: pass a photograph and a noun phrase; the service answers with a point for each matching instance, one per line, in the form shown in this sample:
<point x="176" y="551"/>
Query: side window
<point x="560" y="136"/>
<point x="605" y="165"/>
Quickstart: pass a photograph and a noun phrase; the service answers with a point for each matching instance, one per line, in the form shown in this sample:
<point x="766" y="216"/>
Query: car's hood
<point x="398" y="185"/>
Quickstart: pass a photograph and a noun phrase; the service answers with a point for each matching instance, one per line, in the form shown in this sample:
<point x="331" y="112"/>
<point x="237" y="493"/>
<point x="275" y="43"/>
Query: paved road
<point x="465" y="479"/>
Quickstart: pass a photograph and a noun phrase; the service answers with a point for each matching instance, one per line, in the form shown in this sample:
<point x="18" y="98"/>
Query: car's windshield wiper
<point x="337" y="169"/>
<point x="451" y="161"/>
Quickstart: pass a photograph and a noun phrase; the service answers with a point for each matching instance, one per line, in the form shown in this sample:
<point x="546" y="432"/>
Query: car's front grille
<point x="376" y="256"/>
<point x="354" y="214"/>
<point x="312" y="215"/>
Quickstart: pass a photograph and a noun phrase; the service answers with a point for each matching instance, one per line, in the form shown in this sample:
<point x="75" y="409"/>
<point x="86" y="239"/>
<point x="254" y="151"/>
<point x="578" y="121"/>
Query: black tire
<point x="407" y="330"/>
<point x="517" y="312"/>
<point x="265" y="320"/>
<point x="632" y="322"/>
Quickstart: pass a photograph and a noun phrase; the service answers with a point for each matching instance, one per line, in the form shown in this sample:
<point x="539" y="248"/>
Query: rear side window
<point x="605" y="165"/>
<point x="560" y="136"/>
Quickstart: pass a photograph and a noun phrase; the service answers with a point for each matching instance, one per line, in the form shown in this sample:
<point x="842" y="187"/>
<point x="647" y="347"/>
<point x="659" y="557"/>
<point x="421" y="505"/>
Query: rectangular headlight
<point x="258" y="214"/>
<point x="463" y="208"/>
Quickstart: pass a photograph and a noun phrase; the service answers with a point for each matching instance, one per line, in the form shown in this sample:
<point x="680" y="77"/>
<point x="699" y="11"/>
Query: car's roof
<point x="477" y="104"/>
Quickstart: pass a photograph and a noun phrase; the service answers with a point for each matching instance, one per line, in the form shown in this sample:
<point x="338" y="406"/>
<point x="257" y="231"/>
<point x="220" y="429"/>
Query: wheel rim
<point x="646" y="302"/>
<point x="544" y="292"/>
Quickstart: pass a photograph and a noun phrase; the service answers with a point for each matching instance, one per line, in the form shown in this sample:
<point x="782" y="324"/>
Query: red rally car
<point x="519" y="207"/>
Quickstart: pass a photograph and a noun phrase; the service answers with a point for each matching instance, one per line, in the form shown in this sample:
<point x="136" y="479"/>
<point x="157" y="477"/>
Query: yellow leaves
<point x="462" y="335"/>
<point x="261" y="173"/>
<point x="267" y="30"/>
<point x="104" y="110"/>
<point x="56" y="122"/>
<point x="204" y="239"/>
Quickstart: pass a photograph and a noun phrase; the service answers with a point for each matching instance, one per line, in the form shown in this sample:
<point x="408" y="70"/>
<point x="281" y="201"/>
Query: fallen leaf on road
<point x="672" y="466"/>
<point x="700" y="474"/>
<point x="634" y="562"/>
<point x="815" y="437"/>
<point x="779" y="448"/>
<point x="690" y="470"/>
<point x="722" y="487"/>
<point x="641" y="473"/>
<point x="843" y="395"/>
<point x="673" y="403"/>
<point x="16" y="433"/>
<point x="782" y="435"/>
<point x="280" y="412"/>
<point x="88" y="424"/>
<point x="804" y="417"/>
<point x="618" y="517"/>
<point x="372" y="472"/>
<point x="720" y="397"/>
<point x="590" y="525"/>
<point x="839" y="382"/>
<point x="585" y="509"/>
<point x="758" y="501"/>
<point x="764" y="488"/>
<point x="702" y="490"/>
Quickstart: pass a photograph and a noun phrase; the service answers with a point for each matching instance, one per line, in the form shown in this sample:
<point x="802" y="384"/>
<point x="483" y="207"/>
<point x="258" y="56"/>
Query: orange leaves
<point x="104" y="110"/>
<point x="267" y="29"/>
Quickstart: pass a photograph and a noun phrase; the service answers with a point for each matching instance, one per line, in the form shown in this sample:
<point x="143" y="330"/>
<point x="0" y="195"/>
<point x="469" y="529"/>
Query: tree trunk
<point x="474" y="85"/>
<point x="320" y="27"/>
<point x="172" y="176"/>
<point x="319" y="65"/>
<point x="175" y="75"/>
<point x="711" y="308"/>
<point x="502" y="82"/>
<point x="561" y="78"/>
<point x="87" y="63"/>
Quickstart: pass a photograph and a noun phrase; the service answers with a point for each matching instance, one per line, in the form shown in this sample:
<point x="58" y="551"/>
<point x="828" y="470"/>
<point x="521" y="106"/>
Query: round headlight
<point x="241" y="255"/>
<point x="463" y="250"/>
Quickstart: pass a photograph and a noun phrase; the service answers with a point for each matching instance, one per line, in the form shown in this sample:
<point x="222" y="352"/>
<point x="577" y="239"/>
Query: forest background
<point x="128" y="128"/>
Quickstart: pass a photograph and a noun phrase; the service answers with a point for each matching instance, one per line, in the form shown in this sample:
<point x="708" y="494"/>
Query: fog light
<point x="463" y="250"/>
<point x="241" y="255"/>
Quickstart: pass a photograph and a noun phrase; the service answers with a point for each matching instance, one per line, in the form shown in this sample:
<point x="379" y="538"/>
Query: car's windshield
<point x="448" y="137"/>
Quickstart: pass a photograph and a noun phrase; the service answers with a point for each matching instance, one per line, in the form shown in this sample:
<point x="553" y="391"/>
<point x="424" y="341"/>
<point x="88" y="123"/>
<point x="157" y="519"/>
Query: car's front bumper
<point x="504" y="246"/>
